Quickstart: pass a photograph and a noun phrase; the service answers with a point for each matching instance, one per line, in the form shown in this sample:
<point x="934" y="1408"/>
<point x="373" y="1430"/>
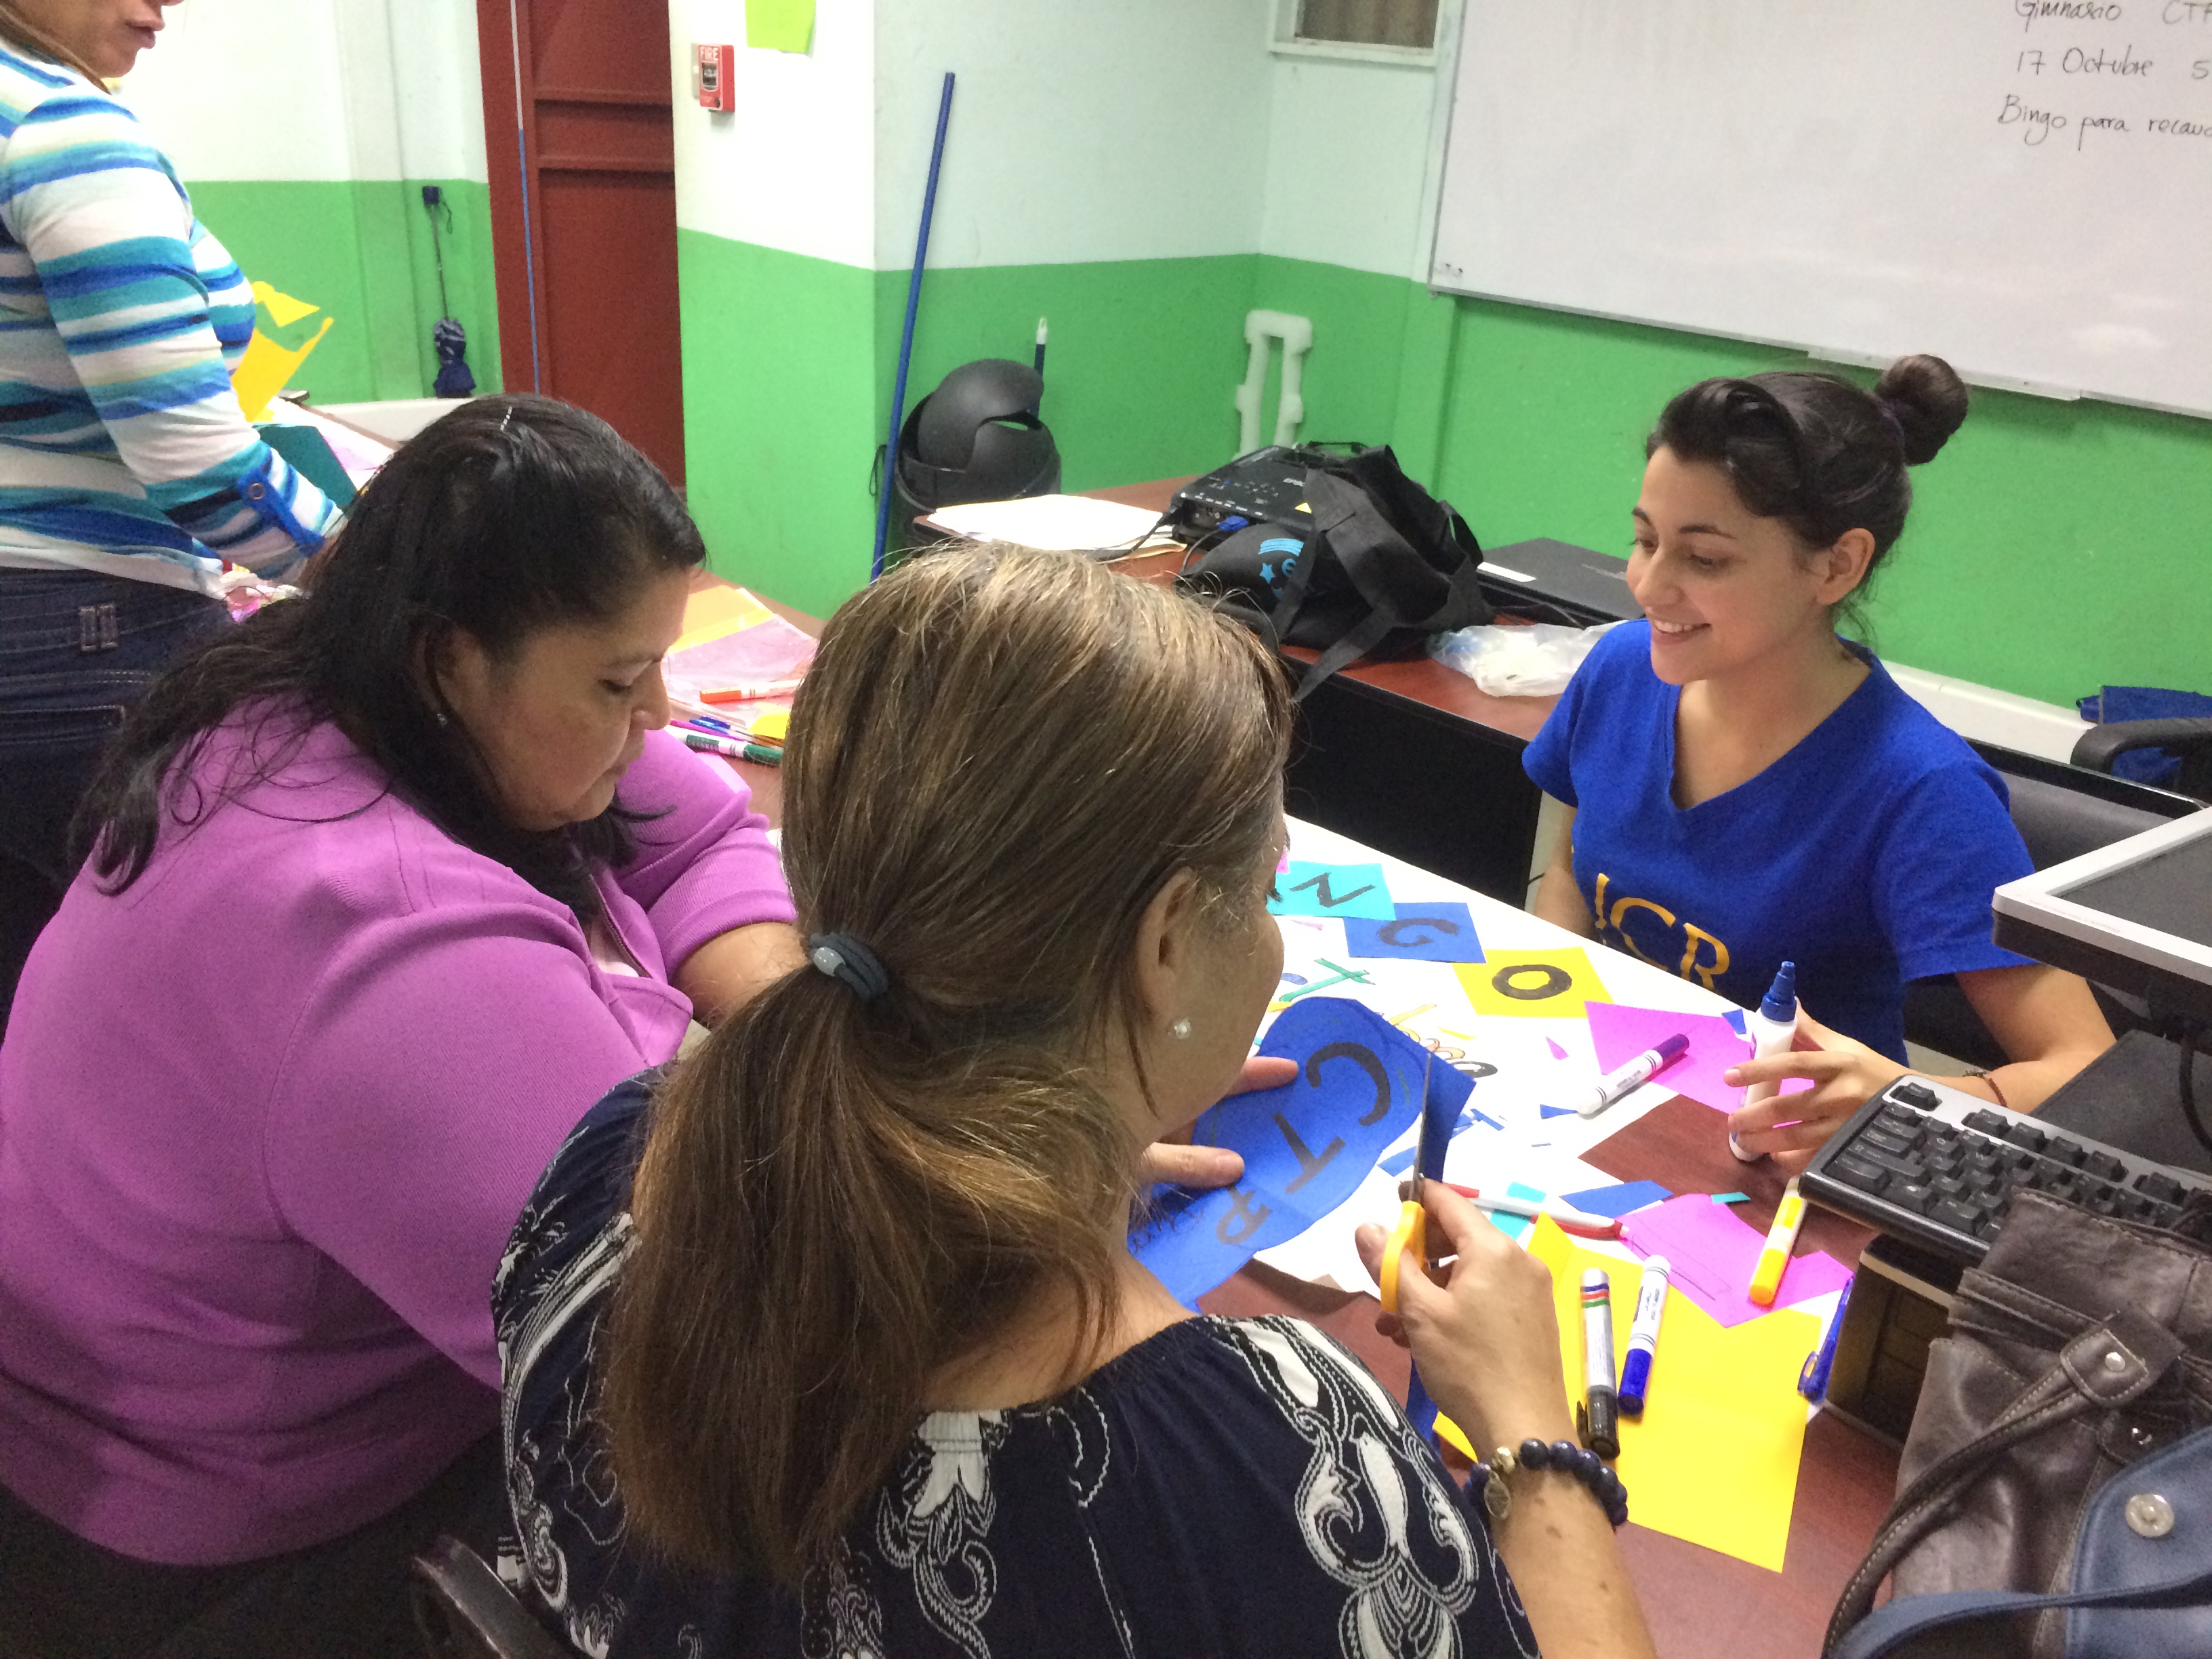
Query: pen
<point x="1039" y="364"/>
<point x="1637" y="1072"/>
<point x="752" y="691"/>
<point x="1781" y="1239"/>
<point x="707" y="723"/>
<point x="1813" y="1380"/>
<point x="1596" y="1419"/>
<point x="1569" y="1219"/>
<point x="1643" y="1335"/>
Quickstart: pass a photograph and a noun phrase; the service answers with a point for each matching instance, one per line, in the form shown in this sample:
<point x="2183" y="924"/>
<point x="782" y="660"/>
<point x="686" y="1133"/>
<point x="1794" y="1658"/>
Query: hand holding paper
<point x="1180" y="1163"/>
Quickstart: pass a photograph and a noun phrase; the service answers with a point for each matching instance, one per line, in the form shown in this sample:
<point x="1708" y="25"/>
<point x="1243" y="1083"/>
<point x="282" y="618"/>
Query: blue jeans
<point x="76" y="650"/>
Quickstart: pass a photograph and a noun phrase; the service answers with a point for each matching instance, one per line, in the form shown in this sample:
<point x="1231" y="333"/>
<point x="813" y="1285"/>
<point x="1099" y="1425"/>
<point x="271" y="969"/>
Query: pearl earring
<point x="1180" y="1029"/>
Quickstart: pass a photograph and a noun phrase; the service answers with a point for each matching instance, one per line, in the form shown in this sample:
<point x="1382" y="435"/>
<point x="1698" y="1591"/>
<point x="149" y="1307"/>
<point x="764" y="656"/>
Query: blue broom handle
<point x="883" y="489"/>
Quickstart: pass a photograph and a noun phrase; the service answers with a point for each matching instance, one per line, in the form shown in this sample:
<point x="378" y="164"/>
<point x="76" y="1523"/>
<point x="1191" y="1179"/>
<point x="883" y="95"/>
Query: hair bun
<point x="1927" y="399"/>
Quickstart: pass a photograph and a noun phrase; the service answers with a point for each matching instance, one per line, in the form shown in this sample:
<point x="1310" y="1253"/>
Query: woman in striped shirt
<point x="128" y="475"/>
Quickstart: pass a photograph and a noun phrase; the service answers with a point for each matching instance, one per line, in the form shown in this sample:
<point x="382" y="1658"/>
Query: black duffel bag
<point x="1381" y="567"/>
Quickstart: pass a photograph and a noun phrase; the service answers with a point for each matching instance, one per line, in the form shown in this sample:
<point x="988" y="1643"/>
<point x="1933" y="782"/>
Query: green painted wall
<point x="360" y="249"/>
<point x="2054" y="548"/>
<point x="788" y="362"/>
<point x="779" y="416"/>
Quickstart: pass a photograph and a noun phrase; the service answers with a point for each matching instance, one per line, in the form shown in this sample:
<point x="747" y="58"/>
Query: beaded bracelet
<point x="1586" y="1466"/>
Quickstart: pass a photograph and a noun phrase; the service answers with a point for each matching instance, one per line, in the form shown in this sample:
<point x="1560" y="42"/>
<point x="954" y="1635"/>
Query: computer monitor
<point x="2136" y="915"/>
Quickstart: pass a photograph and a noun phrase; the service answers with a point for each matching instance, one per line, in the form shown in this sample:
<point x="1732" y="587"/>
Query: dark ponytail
<point x="1816" y="451"/>
<point x="507" y="516"/>
<point x="999" y="758"/>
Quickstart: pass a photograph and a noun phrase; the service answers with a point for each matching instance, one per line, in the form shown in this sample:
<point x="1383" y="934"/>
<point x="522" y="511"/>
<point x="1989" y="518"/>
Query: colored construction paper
<point x="1306" y="1144"/>
<point x="1731" y="1198"/>
<point x="1552" y="1043"/>
<point x="1556" y="1111"/>
<point x="1712" y="1252"/>
<point x="1332" y="890"/>
<point x="762" y="649"/>
<point x="268" y="364"/>
<point x="1398" y="1162"/>
<point x="1620" y="1033"/>
<point x="1617" y="1199"/>
<point x="1429" y="931"/>
<point x="284" y="309"/>
<point x="1714" y="1458"/>
<point x="1469" y="1117"/>
<point x="711" y="612"/>
<point x="1532" y="984"/>
<point x="780" y="25"/>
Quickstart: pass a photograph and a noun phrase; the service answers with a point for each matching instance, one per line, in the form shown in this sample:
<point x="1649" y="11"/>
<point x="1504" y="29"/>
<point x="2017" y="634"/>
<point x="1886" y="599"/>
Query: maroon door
<point x="584" y="209"/>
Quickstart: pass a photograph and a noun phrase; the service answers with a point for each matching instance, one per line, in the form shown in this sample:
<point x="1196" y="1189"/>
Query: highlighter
<point x="1598" y="1417"/>
<point x="1771" y="1027"/>
<point x="1643" y="1335"/>
<point x="1781" y="1239"/>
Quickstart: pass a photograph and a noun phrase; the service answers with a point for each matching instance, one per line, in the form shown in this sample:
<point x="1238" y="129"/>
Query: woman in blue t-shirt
<point x="1745" y="788"/>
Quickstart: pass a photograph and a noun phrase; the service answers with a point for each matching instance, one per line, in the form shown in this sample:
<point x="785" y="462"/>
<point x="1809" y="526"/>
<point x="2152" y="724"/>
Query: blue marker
<point x="1813" y="1379"/>
<point x="1643" y="1335"/>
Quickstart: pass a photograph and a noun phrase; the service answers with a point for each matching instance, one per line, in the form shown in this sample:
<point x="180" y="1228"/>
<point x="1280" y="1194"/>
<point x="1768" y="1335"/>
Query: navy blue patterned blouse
<point x="1227" y="1486"/>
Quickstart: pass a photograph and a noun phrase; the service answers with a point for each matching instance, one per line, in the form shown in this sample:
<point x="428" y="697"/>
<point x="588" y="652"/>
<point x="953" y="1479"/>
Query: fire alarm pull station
<point x="710" y="77"/>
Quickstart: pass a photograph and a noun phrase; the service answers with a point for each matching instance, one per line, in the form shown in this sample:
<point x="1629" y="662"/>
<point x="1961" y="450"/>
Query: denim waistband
<point x="49" y="610"/>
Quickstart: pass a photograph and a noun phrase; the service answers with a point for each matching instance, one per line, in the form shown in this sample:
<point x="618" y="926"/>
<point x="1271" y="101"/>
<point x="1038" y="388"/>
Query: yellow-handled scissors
<point x="1412" y="1230"/>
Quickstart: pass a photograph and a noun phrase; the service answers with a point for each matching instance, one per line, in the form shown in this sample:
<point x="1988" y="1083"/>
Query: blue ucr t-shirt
<point x="1866" y="855"/>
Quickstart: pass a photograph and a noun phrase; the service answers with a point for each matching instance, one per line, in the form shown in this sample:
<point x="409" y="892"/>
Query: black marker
<point x="1598" y="1417"/>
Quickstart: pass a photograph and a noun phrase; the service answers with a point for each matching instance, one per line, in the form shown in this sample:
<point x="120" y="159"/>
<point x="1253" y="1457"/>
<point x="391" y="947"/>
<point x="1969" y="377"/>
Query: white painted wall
<point x="1101" y="130"/>
<point x="315" y="90"/>
<point x="1353" y="150"/>
<point x="793" y="166"/>
<point x="1135" y="130"/>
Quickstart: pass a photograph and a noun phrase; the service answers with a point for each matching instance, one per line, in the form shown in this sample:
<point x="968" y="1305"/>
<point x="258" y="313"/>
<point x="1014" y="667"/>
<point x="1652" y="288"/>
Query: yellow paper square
<point x="1714" y="1458"/>
<point x="1532" y="984"/>
<point x="713" y="612"/>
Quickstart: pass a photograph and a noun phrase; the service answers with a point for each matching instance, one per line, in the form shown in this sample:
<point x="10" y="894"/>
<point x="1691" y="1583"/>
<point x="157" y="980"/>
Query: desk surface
<point x="1698" y="1602"/>
<point x="1417" y="679"/>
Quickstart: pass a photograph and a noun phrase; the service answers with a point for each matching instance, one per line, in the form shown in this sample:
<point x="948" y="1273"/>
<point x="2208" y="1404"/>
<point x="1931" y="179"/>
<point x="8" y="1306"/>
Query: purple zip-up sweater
<point x="267" y="1119"/>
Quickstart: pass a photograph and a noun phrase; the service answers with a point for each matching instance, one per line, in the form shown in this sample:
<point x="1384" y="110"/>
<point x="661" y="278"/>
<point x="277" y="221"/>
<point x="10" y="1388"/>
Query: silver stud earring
<point x="1180" y="1029"/>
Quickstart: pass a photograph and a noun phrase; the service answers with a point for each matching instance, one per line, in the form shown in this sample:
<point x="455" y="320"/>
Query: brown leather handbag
<point x="2080" y="1347"/>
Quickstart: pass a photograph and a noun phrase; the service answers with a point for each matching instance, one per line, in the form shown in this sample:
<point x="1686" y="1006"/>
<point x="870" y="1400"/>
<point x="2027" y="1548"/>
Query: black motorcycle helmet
<point x="977" y="438"/>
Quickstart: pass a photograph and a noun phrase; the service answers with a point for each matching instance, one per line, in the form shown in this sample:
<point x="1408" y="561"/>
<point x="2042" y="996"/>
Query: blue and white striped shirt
<point x="122" y="446"/>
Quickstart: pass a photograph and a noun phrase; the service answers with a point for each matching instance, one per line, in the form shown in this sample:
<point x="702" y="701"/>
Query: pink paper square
<point x="1712" y="1255"/>
<point x="1620" y="1033"/>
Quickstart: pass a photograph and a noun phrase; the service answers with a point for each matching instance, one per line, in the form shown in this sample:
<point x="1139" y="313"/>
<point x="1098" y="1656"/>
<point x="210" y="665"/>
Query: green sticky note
<point x="780" y="25"/>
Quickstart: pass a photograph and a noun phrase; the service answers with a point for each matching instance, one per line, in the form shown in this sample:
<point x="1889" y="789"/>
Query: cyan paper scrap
<point x="1333" y="889"/>
<point x="1306" y="1146"/>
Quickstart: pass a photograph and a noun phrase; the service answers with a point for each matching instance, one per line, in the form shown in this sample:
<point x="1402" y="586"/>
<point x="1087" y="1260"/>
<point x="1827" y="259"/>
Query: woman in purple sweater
<point x="386" y="890"/>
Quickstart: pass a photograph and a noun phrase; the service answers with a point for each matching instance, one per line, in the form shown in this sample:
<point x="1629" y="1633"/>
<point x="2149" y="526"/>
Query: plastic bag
<point x="1533" y="661"/>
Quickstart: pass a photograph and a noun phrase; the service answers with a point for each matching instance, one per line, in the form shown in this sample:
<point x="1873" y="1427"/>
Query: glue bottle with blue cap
<point x="1772" y="1027"/>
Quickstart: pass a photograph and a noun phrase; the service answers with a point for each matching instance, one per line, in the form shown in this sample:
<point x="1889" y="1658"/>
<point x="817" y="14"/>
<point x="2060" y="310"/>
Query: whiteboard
<point x="2023" y="187"/>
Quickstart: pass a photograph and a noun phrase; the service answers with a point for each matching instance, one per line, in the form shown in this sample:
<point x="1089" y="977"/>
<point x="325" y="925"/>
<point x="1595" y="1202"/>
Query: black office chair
<point x="2190" y="739"/>
<point x="464" y="1612"/>
<point x="2060" y="811"/>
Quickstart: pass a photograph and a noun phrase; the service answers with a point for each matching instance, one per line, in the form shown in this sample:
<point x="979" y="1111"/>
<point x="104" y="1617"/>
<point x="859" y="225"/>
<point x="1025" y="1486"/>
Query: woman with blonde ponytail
<point x="829" y="1341"/>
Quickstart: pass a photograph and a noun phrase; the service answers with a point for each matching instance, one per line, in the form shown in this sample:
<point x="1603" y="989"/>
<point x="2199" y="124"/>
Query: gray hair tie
<point x="850" y="963"/>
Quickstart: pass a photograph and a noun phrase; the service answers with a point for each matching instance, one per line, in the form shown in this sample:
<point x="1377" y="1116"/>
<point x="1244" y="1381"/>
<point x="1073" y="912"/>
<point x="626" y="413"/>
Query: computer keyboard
<point x="1935" y="1166"/>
